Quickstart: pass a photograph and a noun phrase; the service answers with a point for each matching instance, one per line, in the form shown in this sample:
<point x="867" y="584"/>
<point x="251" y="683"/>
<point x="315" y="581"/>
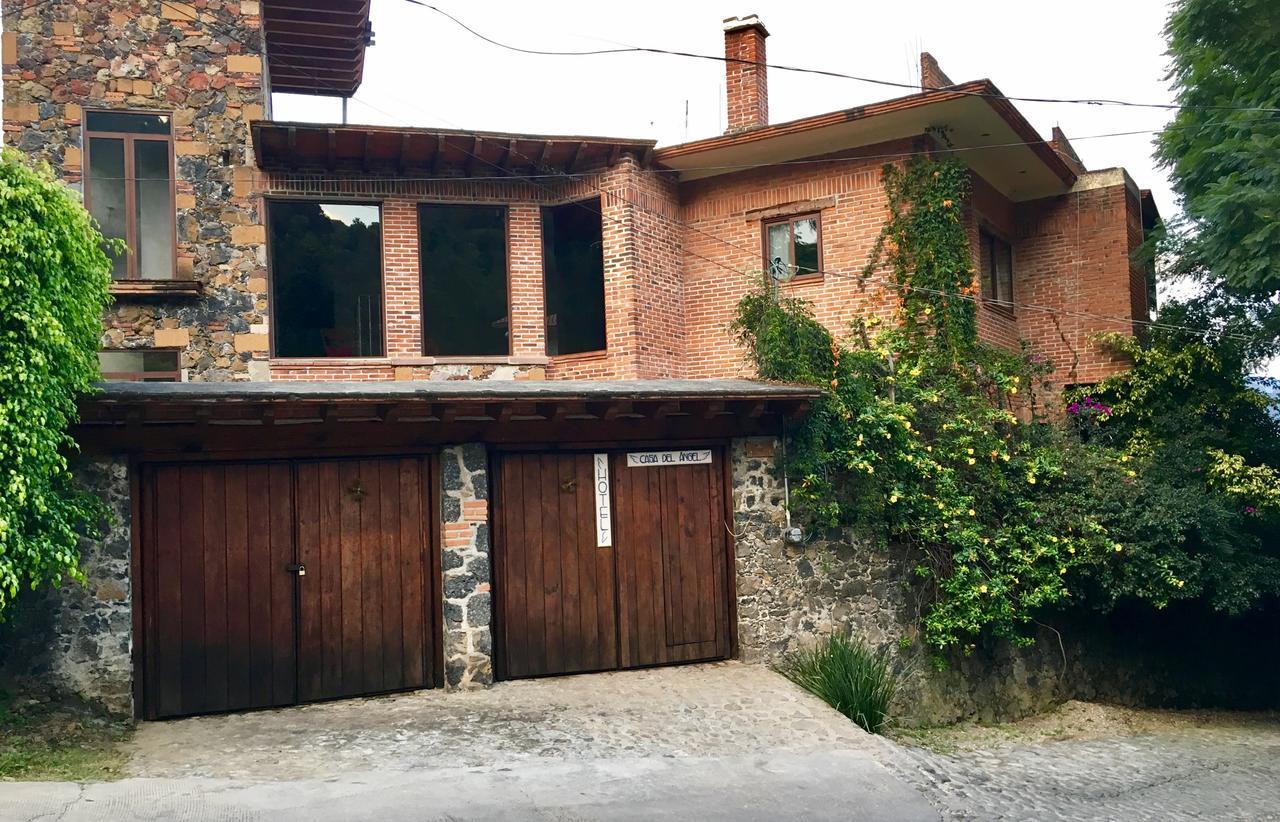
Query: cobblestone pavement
<point x="1219" y="773"/>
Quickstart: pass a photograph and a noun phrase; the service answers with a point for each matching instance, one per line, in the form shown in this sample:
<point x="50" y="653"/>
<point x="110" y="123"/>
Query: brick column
<point x="528" y="311"/>
<point x="464" y="518"/>
<point x="402" y="282"/>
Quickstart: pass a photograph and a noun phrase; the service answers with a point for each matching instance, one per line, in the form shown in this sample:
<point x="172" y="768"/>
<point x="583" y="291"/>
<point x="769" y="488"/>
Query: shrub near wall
<point x="54" y="281"/>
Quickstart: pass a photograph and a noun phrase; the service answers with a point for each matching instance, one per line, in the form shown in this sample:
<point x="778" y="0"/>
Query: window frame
<point x="988" y="285"/>
<point x="419" y="207"/>
<point x="144" y="376"/>
<point x="791" y="220"/>
<point x="132" y="275"/>
<point x="271" y="274"/>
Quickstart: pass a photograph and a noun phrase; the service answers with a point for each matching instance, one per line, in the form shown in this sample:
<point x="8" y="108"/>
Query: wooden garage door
<point x="230" y="623"/>
<point x="659" y="594"/>
<point x="559" y="611"/>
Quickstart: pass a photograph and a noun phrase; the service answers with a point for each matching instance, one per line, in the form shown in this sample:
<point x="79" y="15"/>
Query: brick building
<point x="400" y="407"/>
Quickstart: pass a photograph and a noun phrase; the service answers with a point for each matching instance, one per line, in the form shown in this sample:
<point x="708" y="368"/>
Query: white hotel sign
<point x="657" y="459"/>
<point x="604" y="522"/>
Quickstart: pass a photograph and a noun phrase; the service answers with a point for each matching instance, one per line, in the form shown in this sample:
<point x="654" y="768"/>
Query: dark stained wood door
<point x="218" y="603"/>
<point x="672" y="553"/>
<point x="658" y="595"/>
<point x="230" y="624"/>
<point x="557" y="588"/>
<point x="363" y="623"/>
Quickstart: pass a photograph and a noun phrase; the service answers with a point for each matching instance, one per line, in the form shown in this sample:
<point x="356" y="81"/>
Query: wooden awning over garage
<point x="139" y="417"/>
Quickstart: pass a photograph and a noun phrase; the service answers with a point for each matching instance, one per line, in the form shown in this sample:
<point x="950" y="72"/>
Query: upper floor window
<point x="793" y="247"/>
<point x="464" y="280"/>
<point x="129" y="189"/>
<point x="996" y="259"/>
<point x="141" y="365"/>
<point x="326" y="278"/>
<point x="573" y="274"/>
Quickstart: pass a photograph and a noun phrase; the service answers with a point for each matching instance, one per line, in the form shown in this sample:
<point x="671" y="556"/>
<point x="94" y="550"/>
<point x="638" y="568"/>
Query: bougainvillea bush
<point x="54" y="282"/>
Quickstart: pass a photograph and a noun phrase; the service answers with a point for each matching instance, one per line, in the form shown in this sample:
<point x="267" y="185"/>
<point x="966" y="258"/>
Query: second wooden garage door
<point x="229" y="620"/>
<point x="659" y="594"/>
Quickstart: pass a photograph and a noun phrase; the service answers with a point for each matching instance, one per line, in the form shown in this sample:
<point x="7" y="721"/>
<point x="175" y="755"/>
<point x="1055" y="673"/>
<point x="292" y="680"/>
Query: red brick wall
<point x="1072" y="256"/>
<point x="746" y="86"/>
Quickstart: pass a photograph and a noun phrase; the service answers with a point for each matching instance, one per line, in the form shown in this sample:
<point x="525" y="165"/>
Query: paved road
<point x="711" y="742"/>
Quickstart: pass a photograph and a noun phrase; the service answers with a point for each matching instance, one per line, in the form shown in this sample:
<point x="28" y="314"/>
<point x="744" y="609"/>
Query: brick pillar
<point x="528" y="313"/>
<point x="401" y="278"/>
<point x="464" y="519"/>
<point x="746" y="78"/>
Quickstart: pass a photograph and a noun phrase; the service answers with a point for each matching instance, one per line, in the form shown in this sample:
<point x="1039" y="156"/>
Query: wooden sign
<point x="604" y="522"/>
<point x="657" y="459"/>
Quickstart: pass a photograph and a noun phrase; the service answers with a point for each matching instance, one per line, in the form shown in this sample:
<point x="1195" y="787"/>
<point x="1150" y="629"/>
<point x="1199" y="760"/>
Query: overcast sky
<point x="426" y="71"/>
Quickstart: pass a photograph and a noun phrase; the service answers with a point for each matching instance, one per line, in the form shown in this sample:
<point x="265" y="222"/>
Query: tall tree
<point x="1222" y="149"/>
<point x="54" y="281"/>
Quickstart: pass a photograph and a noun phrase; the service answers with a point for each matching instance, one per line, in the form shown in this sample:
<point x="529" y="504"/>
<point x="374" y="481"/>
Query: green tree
<point x="1222" y="149"/>
<point x="54" y="281"/>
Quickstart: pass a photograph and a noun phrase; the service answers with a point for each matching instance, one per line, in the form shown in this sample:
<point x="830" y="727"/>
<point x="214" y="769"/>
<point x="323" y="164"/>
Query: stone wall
<point x="789" y="595"/>
<point x="79" y="638"/>
<point x="465" y="560"/>
<point x="201" y="62"/>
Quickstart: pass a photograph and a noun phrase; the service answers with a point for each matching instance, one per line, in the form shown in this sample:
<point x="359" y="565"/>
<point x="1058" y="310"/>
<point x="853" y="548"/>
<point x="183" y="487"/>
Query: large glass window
<point x="464" y="280"/>
<point x="793" y="247"/>
<point x="129" y="189"/>
<point x="326" y="279"/>
<point x="573" y="271"/>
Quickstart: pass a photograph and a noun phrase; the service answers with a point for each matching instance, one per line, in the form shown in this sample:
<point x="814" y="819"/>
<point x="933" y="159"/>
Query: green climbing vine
<point x="927" y="438"/>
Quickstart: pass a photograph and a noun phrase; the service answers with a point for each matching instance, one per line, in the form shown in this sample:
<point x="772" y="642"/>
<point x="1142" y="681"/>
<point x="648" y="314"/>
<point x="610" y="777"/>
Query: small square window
<point x="143" y="365"/>
<point x="793" y="247"/>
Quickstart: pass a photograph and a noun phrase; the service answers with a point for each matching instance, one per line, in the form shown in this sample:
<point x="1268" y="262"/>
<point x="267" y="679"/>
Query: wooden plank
<point x="352" y="582"/>
<point x="576" y="654"/>
<point x="311" y="586"/>
<point x="283" y="585"/>
<point x="191" y="579"/>
<point x="372" y="587"/>
<point x="535" y="591"/>
<point x="239" y="630"/>
<point x="215" y="588"/>
<point x="514" y="565"/>
<point x="552" y="562"/>
<point x="721" y="559"/>
<point x="166" y="571"/>
<point x="673" y="562"/>
<point x="329" y="510"/>
<point x="414" y="563"/>
<point x="259" y="516"/>
<point x="578" y="534"/>
<point x="393" y="584"/>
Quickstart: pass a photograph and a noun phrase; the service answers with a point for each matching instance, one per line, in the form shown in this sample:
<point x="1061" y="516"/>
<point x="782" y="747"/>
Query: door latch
<point x="299" y="569"/>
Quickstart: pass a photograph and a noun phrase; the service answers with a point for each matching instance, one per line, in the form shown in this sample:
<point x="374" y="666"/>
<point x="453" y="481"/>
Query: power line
<point x="827" y="73"/>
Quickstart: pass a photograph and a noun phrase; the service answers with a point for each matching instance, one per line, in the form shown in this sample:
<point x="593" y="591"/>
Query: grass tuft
<point x="848" y="675"/>
<point x="59" y="740"/>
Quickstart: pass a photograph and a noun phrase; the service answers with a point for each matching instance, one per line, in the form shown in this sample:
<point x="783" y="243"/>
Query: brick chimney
<point x="931" y="74"/>
<point x="746" y="78"/>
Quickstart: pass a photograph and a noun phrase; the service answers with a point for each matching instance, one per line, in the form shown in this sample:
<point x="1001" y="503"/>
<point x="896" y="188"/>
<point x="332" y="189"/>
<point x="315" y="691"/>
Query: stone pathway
<point x="1219" y="773"/>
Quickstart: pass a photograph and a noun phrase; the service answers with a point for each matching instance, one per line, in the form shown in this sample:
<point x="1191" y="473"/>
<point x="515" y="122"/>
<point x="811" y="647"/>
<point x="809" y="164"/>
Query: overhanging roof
<point x="316" y="46"/>
<point x="975" y="116"/>
<point x="332" y="147"/>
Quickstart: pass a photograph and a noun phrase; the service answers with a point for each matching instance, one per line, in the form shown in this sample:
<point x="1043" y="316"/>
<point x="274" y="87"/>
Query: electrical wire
<point x="1092" y="101"/>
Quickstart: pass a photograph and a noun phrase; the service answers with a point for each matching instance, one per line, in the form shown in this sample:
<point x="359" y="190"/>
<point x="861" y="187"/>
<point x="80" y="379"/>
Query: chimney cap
<point x="751" y="21"/>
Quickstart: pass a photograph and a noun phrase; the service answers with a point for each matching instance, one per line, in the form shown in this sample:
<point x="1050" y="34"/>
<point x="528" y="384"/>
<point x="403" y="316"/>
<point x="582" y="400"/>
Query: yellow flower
<point x="982" y="589"/>
<point x="893" y="498"/>
<point x="972" y="513"/>
<point x="970" y="450"/>
<point x="972" y="460"/>
<point x="1013" y="390"/>
<point x="1031" y="479"/>
<point x="1119" y="547"/>
<point x="1005" y="457"/>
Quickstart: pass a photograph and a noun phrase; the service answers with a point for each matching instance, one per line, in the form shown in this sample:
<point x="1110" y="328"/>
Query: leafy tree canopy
<point x="54" y="281"/>
<point x="1222" y="149"/>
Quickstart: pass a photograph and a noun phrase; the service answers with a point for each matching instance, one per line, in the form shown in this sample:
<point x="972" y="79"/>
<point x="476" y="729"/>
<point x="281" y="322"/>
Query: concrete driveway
<point x="707" y="742"/>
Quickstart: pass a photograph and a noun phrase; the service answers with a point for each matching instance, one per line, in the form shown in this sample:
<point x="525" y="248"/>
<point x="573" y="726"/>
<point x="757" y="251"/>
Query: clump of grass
<point x="59" y="740"/>
<point x="848" y="675"/>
